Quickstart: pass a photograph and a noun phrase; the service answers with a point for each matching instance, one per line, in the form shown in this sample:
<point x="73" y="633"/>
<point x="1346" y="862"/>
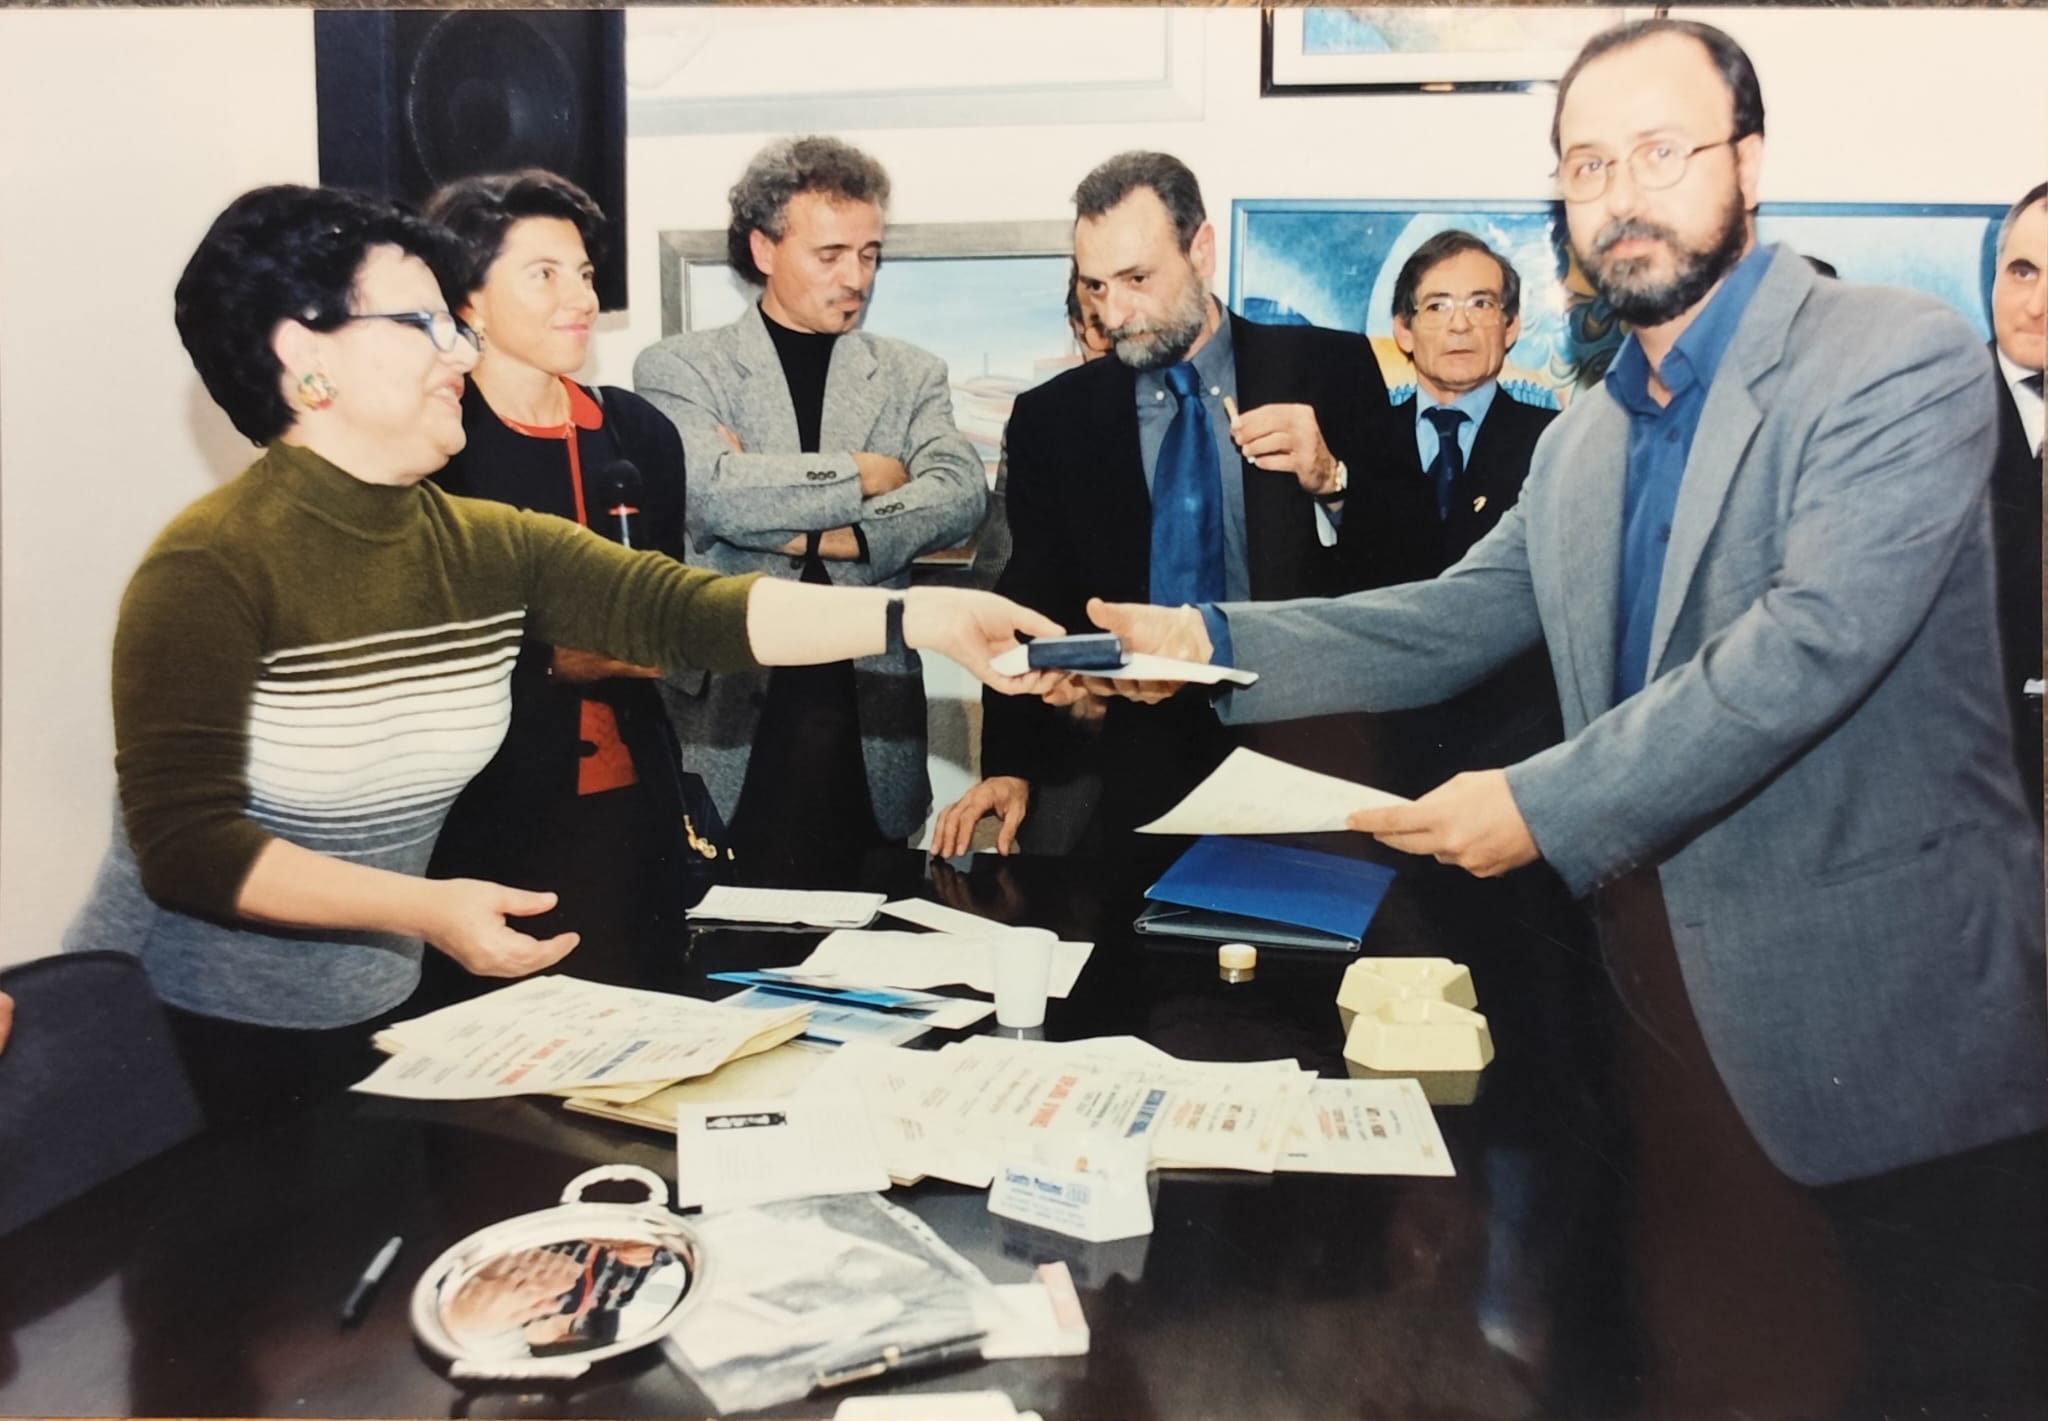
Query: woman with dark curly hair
<point x="585" y="795"/>
<point x="313" y="659"/>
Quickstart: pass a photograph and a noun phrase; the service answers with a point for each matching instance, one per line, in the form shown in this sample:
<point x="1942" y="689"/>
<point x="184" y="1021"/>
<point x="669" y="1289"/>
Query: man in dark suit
<point x="1258" y="434"/>
<point x="1460" y="451"/>
<point x="2019" y="323"/>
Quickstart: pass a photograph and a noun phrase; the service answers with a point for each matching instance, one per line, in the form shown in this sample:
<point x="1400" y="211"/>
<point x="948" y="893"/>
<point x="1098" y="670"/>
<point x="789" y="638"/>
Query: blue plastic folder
<point x="1232" y="889"/>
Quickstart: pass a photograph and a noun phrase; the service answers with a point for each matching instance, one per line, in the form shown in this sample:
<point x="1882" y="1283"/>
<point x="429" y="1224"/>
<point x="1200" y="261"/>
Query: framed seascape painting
<point x="1333" y="263"/>
<point x="1337" y="49"/>
<point x="988" y="298"/>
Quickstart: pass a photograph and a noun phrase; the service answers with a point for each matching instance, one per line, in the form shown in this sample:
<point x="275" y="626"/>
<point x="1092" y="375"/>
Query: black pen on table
<point x="900" y="1359"/>
<point x="366" y="1286"/>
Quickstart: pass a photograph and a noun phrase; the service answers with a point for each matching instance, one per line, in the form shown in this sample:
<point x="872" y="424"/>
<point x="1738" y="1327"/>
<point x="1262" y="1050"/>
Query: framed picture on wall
<point x="1334" y="49"/>
<point x="1333" y="263"/>
<point x="988" y="298"/>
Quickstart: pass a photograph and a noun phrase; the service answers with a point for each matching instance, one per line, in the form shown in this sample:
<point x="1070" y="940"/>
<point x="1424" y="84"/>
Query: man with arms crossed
<point x="1760" y="554"/>
<point x="816" y="451"/>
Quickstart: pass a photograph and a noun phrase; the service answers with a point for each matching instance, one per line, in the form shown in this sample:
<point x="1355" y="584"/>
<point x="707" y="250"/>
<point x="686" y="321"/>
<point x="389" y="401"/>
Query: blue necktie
<point x="1450" y="459"/>
<point x="1187" y="502"/>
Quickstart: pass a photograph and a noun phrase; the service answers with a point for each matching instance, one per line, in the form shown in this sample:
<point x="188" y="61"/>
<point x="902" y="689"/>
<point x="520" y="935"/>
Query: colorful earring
<point x="316" y="391"/>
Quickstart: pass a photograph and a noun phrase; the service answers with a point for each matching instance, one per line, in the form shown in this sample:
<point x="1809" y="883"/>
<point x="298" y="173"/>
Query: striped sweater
<point x="305" y="656"/>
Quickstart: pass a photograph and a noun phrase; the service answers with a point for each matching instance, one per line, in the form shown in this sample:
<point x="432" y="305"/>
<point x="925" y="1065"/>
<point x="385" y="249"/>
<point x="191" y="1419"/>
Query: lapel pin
<point x="1479" y="503"/>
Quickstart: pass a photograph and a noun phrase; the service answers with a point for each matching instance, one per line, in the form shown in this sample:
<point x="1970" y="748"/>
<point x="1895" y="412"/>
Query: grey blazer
<point x="882" y="397"/>
<point x="1820" y="768"/>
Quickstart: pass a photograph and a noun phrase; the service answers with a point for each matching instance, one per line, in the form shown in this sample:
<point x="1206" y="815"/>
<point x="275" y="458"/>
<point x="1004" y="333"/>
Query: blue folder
<point x="1231" y="889"/>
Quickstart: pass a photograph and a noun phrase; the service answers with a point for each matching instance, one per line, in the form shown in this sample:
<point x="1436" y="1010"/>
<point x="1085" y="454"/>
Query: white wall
<point x="121" y="133"/>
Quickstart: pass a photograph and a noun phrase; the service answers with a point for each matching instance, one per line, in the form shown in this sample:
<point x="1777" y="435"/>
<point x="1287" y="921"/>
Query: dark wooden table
<point x="208" y="1282"/>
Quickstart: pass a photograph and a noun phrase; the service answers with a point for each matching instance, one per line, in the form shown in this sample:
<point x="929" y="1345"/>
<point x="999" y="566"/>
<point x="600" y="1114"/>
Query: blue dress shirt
<point x="1659" y="442"/>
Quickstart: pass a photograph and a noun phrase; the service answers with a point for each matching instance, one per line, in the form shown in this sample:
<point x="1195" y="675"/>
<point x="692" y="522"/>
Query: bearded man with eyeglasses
<point x="1759" y="555"/>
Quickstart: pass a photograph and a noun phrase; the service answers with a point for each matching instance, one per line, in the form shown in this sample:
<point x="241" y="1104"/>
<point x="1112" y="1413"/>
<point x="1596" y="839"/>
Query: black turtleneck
<point x="806" y="356"/>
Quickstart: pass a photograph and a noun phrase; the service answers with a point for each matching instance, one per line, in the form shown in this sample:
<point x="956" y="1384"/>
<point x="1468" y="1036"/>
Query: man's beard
<point x="1632" y="294"/>
<point x="1171" y="336"/>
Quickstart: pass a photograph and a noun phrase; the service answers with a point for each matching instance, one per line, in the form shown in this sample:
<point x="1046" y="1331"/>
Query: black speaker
<point x="411" y="99"/>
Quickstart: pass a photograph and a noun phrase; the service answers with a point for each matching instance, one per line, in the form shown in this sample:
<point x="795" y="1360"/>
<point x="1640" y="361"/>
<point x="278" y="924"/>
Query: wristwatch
<point x="1337" y="491"/>
<point x="892" y="627"/>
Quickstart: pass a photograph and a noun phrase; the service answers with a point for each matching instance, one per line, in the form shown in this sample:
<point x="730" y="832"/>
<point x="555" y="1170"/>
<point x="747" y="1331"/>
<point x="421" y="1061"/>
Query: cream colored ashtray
<point x="1412" y="1014"/>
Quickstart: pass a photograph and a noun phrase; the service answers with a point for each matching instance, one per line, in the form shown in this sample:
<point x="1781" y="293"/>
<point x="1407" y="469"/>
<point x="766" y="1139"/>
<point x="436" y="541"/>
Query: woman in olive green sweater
<point x="313" y="660"/>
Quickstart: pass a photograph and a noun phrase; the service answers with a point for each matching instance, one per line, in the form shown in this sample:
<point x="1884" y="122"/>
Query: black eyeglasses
<point x="1654" y="166"/>
<point x="443" y="328"/>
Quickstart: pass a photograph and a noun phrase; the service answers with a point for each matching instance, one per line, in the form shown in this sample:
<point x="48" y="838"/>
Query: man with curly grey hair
<point x="820" y="452"/>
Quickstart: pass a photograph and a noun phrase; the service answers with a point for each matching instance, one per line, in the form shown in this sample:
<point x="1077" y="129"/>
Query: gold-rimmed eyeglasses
<point x="1654" y="166"/>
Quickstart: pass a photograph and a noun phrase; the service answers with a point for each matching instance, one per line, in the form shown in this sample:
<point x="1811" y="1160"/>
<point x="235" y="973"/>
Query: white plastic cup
<point x="1023" y="976"/>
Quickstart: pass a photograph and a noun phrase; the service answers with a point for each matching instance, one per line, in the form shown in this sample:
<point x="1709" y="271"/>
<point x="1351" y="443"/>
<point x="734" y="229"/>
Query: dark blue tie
<point x="1450" y="459"/>
<point x="1187" y="502"/>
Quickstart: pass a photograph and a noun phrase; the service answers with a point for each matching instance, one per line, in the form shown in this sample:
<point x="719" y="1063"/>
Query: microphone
<point x="617" y="486"/>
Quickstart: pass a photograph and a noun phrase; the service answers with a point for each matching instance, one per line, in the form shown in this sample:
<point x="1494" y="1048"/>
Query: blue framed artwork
<point x="1332" y="262"/>
<point x="1351" y="49"/>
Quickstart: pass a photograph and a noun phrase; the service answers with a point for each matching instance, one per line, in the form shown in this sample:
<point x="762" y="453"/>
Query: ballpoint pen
<point x="899" y="1359"/>
<point x="359" y="1296"/>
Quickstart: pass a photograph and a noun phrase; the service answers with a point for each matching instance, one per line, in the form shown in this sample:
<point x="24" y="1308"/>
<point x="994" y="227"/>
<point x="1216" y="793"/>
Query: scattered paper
<point x="555" y="1033"/>
<point x="1367" y="1127"/>
<point x="766" y="1076"/>
<point x="835" y="1025"/>
<point x="938" y="917"/>
<point x="1250" y="793"/>
<point x="807" y="907"/>
<point x="1136" y="667"/>
<point x="742" y="1152"/>
<point x="892" y="959"/>
<point x="931" y="1009"/>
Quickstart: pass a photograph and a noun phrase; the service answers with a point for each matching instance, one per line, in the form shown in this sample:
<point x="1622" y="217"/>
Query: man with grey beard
<point x="1212" y="457"/>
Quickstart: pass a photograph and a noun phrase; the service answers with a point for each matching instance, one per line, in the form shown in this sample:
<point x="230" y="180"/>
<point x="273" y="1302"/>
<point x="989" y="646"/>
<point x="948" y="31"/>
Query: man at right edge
<point x="1760" y="556"/>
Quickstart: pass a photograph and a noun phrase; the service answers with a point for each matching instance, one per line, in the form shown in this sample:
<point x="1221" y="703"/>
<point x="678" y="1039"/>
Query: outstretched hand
<point x="469" y="924"/>
<point x="971" y="628"/>
<point x="1470" y="821"/>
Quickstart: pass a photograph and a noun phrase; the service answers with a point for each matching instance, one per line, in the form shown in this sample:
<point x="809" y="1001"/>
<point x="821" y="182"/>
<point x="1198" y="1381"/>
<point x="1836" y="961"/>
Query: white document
<point x="1136" y="667"/>
<point x="1367" y="1127"/>
<point x="1250" y="793"/>
<point x="924" y="960"/>
<point x="807" y="907"/>
<point x="554" y="1033"/>
<point x="938" y="917"/>
<point x="741" y="1152"/>
<point x="888" y="1079"/>
<point x="1229" y="1117"/>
